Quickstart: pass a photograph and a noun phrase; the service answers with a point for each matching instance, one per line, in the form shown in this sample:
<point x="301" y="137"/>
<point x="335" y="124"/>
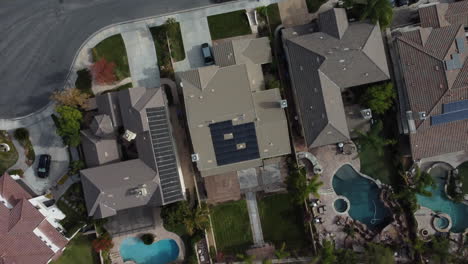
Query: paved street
<point x="40" y="39"/>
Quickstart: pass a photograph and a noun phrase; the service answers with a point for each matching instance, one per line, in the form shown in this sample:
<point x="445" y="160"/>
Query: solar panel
<point x="449" y="117"/>
<point x="455" y="106"/>
<point x="242" y="145"/>
<point x="449" y="65"/>
<point x="456" y="61"/>
<point x="460" y="45"/>
<point x="164" y="154"/>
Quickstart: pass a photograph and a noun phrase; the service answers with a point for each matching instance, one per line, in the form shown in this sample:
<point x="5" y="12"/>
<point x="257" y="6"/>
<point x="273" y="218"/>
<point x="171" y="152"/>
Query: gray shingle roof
<point x="240" y="51"/>
<point x="322" y="65"/>
<point x="99" y="151"/>
<point x="428" y="86"/>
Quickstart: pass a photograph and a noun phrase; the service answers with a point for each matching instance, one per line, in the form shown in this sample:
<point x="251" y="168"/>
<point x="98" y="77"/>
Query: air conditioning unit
<point x="129" y="135"/>
<point x="422" y="115"/>
<point x="195" y="157"/>
<point x="283" y="104"/>
<point x="366" y="114"/>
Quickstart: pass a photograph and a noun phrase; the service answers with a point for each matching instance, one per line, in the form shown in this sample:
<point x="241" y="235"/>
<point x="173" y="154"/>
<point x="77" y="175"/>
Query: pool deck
<point x="160" y="233"/>
<point x="424" y="217"/>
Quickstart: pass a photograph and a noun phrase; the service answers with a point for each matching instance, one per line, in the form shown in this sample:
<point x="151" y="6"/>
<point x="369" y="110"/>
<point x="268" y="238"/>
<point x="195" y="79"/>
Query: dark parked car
<point x="44" y="165"/>
<point x="402" y="2"/>
<point x="207" y="55"/>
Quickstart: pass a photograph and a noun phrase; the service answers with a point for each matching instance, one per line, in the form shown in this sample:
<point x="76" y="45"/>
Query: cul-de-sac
<point x="233" y="131"/>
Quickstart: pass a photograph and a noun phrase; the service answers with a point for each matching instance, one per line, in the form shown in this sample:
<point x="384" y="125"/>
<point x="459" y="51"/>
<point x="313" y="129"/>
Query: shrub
<point x="147" y="239"/>
<point x="102" y="243"/>
<point x="21" y="134"/>
<point x="18" y="172"/>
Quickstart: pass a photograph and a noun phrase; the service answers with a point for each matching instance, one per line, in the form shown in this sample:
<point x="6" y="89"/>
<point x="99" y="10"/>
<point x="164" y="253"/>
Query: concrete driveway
<point x="195" y="32"/>
<point x="142" y="58"/>
<point x="45" y="141"/>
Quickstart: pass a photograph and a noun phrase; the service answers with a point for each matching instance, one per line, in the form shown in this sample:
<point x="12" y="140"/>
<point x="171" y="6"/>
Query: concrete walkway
<point x="254" y="217"/>
<point x="21" y="162"/>
<point x="142" y="58"/>
<point x="97" y="89"/>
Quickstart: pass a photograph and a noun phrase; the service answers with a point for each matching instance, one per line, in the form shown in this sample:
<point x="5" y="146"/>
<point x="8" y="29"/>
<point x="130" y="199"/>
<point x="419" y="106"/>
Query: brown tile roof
<point x="444" y="14"/>
<point x="18" y="243"/>
<point x="11" y="191"/>
<point x="429" y="85"/>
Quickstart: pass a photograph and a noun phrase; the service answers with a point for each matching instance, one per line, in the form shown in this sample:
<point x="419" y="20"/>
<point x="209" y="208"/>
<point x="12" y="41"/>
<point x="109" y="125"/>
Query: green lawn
<point x="282" y="221"/>
<point x="78" y="251"/>
<point x="162" y="51"/>
<point x="231" y="227"/>
<point x="463" y="171"/>
<point x="176" y="43"/>
<point x="314" y="5"/>
<point x="376" y="166"/>
<point x="274" y="18"/>
<point x="7" y="159"/>
<point x="229" y="25"/>
<point x="113" y="50"/>
<point x="75" y="210"/>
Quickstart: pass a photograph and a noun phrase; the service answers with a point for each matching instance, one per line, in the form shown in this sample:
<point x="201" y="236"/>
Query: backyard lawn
<point x="282" y="221"/>
<point x="79" y="251"/>
<point x="229" y="25"/>
<point x="113" y="50"/>
<point x="7" y="159"/>
<point x="231" y="227"/>
<point x="463" y="171"/>
<point x="376" y="166"/>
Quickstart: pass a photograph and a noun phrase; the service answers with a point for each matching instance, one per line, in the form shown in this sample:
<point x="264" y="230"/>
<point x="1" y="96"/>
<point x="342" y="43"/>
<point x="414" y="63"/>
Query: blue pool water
<point x="161" y="252"/>
<point x="439" y="202"/>
<point x="363" y="195"/>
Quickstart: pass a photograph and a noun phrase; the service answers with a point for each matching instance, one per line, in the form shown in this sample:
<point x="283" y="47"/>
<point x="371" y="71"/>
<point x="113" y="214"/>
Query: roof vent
<point x="181" y="84"/>
<point x="437" y="67"/>
<point x="342" y="61"/>
<point x="300" y="68"/>
<point x="321" y="37"/>
<point x="129" y="135"/>
<point x="283" y="104"/>
<point x="344" y="68"/>
<point x="366" y="114"/>
<point x="345" y="49"/>
<point x="422" y="115"/>
<point x="294" y="33"/>
<point x="366" y="74"/>
<point x="195" y="157"/>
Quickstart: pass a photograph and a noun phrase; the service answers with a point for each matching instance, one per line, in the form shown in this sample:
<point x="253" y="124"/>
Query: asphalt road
<point x="39" y="39"/>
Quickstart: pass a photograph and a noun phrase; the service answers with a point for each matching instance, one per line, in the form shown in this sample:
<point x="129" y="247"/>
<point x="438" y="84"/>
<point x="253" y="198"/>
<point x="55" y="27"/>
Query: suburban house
<point x="434" y="96"/>
<point x="234" y="122"/>
<point x="325" y="59"/>
<point x="29" y="228"/>
<point x="135" y="122"/>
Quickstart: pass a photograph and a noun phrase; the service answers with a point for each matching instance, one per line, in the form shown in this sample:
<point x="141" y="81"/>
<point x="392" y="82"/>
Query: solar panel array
<point x="227" y="149"/>
<point x="164" y="155"/>
<point x="451" y="112"/>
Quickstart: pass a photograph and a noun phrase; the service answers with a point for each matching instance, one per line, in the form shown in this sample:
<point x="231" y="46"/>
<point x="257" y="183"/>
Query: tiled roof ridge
<point x="417" y="46"/>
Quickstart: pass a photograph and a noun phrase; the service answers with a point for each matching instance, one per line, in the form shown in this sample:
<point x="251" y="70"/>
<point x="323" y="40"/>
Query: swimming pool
<point x="363" y="195"/>
<point x="161" y="252"/>
<point x="439" y="202"/>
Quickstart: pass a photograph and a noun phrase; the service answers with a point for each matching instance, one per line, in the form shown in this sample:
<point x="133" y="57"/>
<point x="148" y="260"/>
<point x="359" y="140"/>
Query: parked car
<point x="207" y="54"/>
<point x="402" y="2"/>
<point x="43" y="166"/>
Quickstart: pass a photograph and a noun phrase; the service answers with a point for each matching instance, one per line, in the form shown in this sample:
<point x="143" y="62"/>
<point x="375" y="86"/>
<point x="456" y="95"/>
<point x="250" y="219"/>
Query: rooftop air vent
<point x="422" y="115"/>
<point x="129" y="135"/>
<point x="366" y="114"/>
<point x="283" y="103"/>
<point x="195" y="157"/>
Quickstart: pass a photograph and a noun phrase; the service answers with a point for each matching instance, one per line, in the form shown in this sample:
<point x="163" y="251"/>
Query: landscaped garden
<point x="78" y="251"/>
<point x="229" y="25"/>
<point x="8" y="158"/>
<point x="463" y="172"/>
<point x="231" y="227"/>
<point x="282" y="222"/>
<point x="113" y="50"/>
<point x="72" y="204"/>
<point x="22" y="135"/>
<point x="84" y="81"/>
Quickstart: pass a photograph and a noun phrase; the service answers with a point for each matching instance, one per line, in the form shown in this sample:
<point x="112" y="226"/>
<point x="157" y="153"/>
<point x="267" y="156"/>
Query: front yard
<point x="78" y="251"/>
<point x="229" y="25"/>
<point x="7" y="159"/>
<point x="113" y="50"/>
<point x="231" y="227"/>
<point x="282" y="222"/>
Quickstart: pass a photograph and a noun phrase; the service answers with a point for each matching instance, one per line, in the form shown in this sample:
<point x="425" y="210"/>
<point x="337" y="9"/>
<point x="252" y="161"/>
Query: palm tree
<point x="197" y="219"/>
<point x="374" y="140"/>
<point x="246" y="258"/>
<point x="282" y="253"/>
<point x="378" y="11"/>
<point x="314" y="186"/>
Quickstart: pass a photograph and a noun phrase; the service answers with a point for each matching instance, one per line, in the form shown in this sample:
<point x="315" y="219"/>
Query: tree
<point x="246" y="258"/>
<point x="197" y="219"/>
<point x="376" y="253"/>
<point x="346" y="256"/>
<point x="327" y="254"/>
<point x="438" y="249"/>
<point x="282" y="253"/>
<point x="147" y="238"/>
<point x="174" y="214"/>
<point x="76" y="166"/>
<point x="377" y="11"/>
<point x="68" y="124"/>
<point x="102" y="243"/>
<point x="21" y="134"/>
<point x="71" y="97"/>
<point x="379" y="98"/>
<point x="103" y="71"/>
<point x="422" y="180"/>
<point x="374" y="140"/>
<point x="298" y="186"/>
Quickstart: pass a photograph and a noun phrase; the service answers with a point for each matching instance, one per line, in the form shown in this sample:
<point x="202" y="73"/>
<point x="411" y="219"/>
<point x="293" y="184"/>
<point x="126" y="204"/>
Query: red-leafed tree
<point x="102" y="243"/>
<point x="103" y="71"/>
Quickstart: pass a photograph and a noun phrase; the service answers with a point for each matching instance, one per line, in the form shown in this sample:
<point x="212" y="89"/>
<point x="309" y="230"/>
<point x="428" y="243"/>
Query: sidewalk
<point x="254" y="216"/>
